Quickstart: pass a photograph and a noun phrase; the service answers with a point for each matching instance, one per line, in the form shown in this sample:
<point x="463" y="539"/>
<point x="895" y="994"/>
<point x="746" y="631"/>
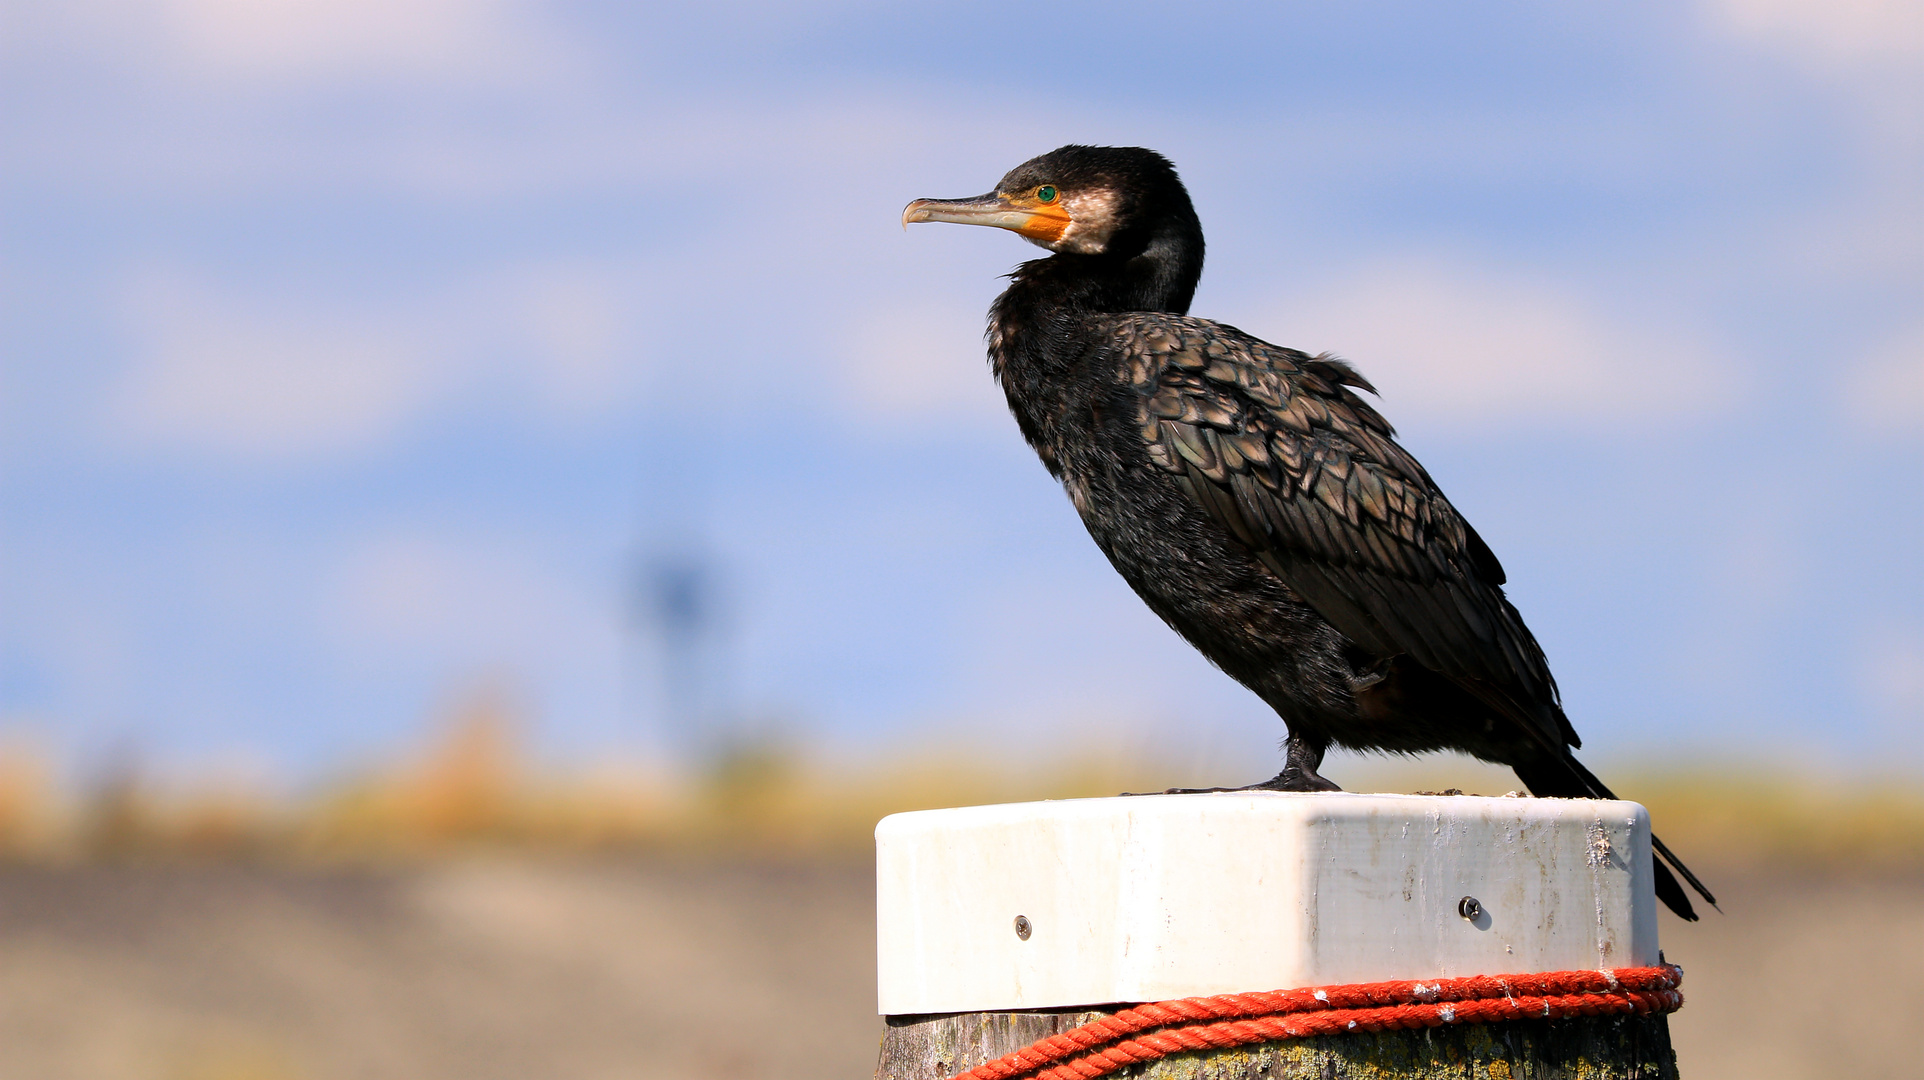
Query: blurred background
<point x="493" y="507"/>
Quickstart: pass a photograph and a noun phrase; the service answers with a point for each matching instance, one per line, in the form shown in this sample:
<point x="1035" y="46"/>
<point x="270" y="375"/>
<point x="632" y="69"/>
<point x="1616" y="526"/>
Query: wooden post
<point x="995" y="924"/>
<point x="1580" y="1048"/>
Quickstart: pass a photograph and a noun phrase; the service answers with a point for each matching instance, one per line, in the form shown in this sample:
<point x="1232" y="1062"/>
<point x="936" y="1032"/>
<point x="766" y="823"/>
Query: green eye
<point x="1046" y="193"/>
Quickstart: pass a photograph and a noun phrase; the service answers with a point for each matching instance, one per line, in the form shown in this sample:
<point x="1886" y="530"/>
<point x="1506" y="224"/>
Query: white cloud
<point x="1872" y="50"/>
<point x="276" y="380"/>
<point x="417" y="598"/>
<point x="576" y="328"/>
<point x="1891" y="666"/>
<point x="1465" y="347"/>
<point x="1886" y="391"/>
<point x="220" y="372"/>
<point x="921" y="358"/>
<point x="1871" y="54"/>
<point x="1831" y="32"/>
<point x="289" y="42"/>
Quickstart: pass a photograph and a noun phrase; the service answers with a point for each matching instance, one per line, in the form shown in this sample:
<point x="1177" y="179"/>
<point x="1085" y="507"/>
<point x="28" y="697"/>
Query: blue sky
<point x="354" y="354"/>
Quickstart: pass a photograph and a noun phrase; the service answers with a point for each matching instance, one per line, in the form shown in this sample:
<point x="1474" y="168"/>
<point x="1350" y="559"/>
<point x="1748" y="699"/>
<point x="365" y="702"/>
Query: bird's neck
<point x="1160" y="276"/>
<point x="1040" y="343"/>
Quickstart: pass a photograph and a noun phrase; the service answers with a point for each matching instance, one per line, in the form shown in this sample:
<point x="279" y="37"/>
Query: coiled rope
<point x="1148" y="1032"/>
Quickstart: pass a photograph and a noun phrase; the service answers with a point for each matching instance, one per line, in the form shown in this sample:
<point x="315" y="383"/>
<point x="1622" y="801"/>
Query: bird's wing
<point x="1273" y="444"/>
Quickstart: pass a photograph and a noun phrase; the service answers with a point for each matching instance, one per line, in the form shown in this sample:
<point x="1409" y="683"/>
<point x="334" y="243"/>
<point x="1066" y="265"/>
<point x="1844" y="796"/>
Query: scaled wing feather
<point x="1273" y="444"/>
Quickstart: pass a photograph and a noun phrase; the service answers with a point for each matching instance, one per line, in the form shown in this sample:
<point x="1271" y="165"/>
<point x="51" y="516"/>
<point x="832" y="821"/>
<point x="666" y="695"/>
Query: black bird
<point x="1251" y="498"/>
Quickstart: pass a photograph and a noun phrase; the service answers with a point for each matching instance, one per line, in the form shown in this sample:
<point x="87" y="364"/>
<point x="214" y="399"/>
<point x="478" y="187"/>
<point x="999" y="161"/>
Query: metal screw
<point x="1469" y="908"/>
<point x="1022" y="927"/>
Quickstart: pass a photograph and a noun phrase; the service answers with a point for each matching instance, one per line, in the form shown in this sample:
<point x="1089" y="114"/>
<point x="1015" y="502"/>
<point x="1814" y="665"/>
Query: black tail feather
<point x="1663" y="850"/>
<point x="1568" y="779"/>
<point x="1671" y="893"/>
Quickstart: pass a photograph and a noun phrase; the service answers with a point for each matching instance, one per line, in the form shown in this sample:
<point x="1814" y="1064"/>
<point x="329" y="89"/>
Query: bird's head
<point x="1080" y="200"/>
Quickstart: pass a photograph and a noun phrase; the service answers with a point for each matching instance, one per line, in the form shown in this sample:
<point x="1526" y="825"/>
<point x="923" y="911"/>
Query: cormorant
<point x="1251" y="498"/>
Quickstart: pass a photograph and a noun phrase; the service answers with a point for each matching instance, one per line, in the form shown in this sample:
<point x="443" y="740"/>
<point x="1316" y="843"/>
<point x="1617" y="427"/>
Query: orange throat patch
<point x="1046" y="223"/>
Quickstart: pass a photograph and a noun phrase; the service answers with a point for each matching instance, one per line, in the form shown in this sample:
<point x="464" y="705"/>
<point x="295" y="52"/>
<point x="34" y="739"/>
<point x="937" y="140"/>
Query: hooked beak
<point x="1041" y="223"/>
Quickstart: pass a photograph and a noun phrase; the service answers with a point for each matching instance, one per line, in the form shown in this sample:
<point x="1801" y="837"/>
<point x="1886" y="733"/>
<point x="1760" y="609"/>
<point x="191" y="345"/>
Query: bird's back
<point x="1235" y="483"/>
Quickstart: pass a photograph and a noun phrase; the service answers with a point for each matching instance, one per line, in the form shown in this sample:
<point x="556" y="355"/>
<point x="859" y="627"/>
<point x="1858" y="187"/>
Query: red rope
<point x="1147" y="1032"/>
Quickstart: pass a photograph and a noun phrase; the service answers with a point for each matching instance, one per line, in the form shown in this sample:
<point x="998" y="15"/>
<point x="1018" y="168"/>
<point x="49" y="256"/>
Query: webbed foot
<point x="1299" y="775"/>
<point x="1297" y="780"/>
<point x="1293" y="778"/>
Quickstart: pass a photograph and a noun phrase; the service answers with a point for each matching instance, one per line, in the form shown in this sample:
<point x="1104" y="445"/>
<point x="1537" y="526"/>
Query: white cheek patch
<point x="1092" y="220"/>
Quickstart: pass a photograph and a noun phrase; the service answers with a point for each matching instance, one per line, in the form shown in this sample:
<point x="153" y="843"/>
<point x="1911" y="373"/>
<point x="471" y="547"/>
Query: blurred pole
<point x="678" y="600"/>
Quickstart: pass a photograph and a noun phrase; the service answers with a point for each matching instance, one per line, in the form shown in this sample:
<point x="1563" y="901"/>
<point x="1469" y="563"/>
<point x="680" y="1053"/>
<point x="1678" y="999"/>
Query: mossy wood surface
<point x="1580" y="1048"/>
